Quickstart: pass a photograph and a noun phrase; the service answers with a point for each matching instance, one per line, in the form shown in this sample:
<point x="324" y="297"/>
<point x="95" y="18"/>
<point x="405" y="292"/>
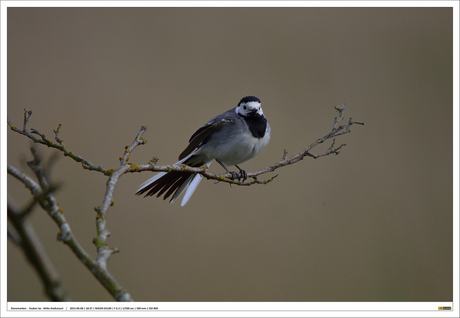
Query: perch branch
<point x="337" y="130"/>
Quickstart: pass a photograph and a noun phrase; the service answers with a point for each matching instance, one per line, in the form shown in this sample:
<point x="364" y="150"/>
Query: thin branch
<point x="14" y="235"/>
<point x="42" y="196"/>
<point x="58" y="144"/>
<point x="23" y="234"/>
<point x="27" y="115"/>
<point x="49" y="204"/>
<point x="104" y="252"/>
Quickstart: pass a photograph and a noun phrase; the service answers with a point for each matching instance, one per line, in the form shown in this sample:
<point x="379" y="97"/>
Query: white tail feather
<point x="182" y="188"/>
<point x="192" y="187"/>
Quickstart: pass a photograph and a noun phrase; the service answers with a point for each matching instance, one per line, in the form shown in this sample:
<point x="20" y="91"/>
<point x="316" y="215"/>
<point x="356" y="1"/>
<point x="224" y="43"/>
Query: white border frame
<point x="230" y="309"/>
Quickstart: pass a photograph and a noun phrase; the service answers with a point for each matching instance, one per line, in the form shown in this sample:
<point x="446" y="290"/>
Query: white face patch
<point x="245" y="109"/>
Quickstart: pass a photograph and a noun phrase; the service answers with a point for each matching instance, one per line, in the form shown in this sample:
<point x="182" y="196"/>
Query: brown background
<point x="374" y="223"/>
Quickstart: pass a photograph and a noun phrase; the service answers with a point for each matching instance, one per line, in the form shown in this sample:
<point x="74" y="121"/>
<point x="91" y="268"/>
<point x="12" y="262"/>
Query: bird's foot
<point x="235" y="175"/>
<point x="243" y="175"/>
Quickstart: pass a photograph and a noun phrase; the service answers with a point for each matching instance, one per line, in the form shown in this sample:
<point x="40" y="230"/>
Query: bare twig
<point x="41" y="192"/>
<point x="100" y="241"/>
<point x="27" y="115"/>
<point x="59" y="144"/>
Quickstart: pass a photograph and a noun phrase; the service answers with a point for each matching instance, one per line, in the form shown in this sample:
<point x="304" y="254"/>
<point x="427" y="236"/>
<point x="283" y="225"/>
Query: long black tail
<point x="166" y="184"/>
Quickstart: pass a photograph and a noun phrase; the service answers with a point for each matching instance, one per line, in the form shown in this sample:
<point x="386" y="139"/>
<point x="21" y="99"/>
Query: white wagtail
<point x="230" y="138"/>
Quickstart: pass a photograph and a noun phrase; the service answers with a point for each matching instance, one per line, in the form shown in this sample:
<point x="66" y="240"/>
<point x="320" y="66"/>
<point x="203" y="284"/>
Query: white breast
<point x="243" y="149"/>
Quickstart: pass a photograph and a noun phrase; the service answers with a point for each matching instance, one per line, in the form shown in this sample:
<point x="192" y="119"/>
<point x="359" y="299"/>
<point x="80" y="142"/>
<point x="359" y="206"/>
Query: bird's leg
<point x="233" y="173"/>
<point x="243" y="173"/>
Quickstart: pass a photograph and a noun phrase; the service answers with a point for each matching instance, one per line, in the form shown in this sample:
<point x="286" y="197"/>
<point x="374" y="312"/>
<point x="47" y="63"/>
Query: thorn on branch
<point x="284" y="155"/>
<point x="154" y="160"/>
<point x="355" y="122"/>
<point x="308" y="153"/>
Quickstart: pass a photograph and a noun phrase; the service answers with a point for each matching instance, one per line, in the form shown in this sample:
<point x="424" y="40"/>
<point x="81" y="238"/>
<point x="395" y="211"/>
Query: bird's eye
<point x="245" y="107"/>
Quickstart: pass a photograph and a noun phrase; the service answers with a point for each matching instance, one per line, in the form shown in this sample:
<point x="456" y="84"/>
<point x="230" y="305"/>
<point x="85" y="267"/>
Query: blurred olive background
<point x="373" y="223"/>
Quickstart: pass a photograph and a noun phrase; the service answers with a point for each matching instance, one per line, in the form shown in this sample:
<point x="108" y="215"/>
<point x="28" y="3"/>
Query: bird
<point x="230" y="138"/>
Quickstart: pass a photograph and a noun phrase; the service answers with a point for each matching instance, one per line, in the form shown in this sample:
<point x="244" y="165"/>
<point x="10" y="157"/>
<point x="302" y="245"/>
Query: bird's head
<point x="249" y="106"/>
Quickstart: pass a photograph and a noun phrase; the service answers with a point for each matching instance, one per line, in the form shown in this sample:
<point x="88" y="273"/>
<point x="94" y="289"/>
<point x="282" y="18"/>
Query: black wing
<point x="196" y="140"/>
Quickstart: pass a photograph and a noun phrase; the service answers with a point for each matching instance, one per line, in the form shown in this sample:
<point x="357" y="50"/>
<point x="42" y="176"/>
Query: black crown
<point x="249" y="99"/>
